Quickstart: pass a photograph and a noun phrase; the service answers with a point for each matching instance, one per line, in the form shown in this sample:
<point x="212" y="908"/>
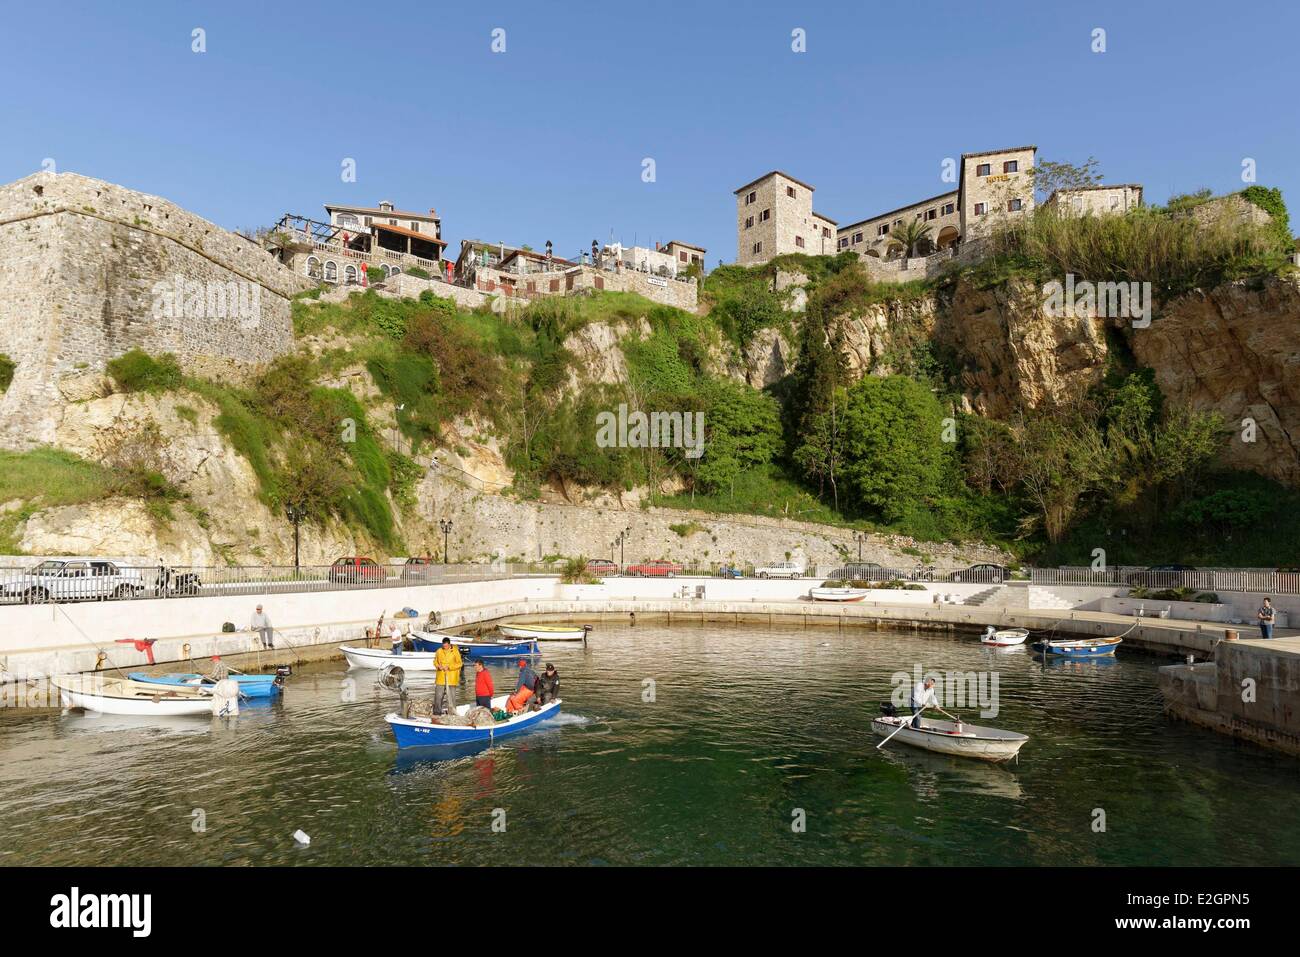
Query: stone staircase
<point x="1045" y="598"/>
<point x="981" y="598"/>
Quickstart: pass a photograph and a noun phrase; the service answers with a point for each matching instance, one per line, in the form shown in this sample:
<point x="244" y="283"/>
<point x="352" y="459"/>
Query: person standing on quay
<point x="448" y="664"/>
<point x="1266" y="616"/>
<point x="261" y="623"/>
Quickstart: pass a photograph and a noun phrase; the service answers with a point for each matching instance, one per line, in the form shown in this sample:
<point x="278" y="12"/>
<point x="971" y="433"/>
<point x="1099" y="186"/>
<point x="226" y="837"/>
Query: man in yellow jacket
<point x="448" y="663"/>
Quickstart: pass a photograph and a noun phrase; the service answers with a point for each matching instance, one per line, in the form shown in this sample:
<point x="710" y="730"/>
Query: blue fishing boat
<point x="417" y="733"/>
<point x="1079" y="648"/>
<point x="476" y="647"/>
<point x="251" y="686"/>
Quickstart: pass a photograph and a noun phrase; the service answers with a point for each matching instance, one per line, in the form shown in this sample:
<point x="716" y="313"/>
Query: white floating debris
<point x="302" y="837"/>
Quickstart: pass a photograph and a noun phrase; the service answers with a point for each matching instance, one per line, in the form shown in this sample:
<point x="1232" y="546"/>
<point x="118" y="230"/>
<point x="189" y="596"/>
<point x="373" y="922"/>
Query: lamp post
<point x="295" y="512"/>
<point x="859" y="537"/>
<point x="445" y="525"/>
<point x="622" y="537"/>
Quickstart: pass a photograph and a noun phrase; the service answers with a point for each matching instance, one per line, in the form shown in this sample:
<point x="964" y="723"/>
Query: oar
<point x="905" y="724"/>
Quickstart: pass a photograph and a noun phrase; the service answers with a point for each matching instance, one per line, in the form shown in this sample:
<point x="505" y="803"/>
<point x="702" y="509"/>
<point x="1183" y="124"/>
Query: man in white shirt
<point x="923" y="697"/>
<point x="261" y="623"/>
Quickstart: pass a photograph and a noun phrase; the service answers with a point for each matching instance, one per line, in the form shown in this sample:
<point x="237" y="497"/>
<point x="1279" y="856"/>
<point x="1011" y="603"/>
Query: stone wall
<point x="90" y="270"/>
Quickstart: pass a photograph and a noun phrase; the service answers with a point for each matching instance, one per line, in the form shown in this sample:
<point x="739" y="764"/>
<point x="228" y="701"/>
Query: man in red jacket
<point x="482" y="685"/>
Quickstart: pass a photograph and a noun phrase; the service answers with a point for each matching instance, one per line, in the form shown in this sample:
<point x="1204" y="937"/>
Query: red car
<point x="602" y="566"/>
<point x="654" y="569"/>
<point x="356" y="569"/>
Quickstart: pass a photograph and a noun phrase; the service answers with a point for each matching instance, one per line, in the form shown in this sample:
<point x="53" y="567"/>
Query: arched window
<point x="331" y="271"/>
<point x="350" y="275"/>
<point x="384" y="269"/>
<point x="313" y="267"/>
<point x="396" y="270"/>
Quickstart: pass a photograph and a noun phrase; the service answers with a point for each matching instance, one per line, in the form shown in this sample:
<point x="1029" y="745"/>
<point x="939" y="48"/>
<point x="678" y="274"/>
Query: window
<point x="681" y="256"/>
<point x="752" y="197"/>
<point x="798" y="241"/>
<point x="898" y="222"/>
<point x="765" y="215"/>
<point x="758" y="248"/>
<point x="826" y="232"/>
<point x="331" y="272"/>
<point x="982" y="169"/>
<point x="949" y="208"/>
<point x="882" y="229"/>
<point x="392" y="222"/>
<point x="857" y="238"/>
<point x="350" y="274"/>
<point x="789" y="191"/>
<point x="347" y="219"/>
<point x="843" y="243"/>
<point x="313" y="267"/>
<point x="555" y="285"/>
<point x="749" y="221"/>
<point x="931" y="214"/>
<point x="981" y="209"/>
<point x="1011" y="166"/>
<point x="1014" y="205"/>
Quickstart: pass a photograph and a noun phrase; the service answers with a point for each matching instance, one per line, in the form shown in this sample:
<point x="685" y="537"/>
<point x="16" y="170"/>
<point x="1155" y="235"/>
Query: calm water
<point x="748" y="726"/>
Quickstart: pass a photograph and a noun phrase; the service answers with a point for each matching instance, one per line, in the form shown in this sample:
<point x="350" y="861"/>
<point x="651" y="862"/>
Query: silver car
<point x="73" y="579"/>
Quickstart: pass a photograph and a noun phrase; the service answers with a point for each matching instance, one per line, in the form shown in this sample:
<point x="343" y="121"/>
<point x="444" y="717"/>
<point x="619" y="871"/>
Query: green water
<point x="747" y="729"/>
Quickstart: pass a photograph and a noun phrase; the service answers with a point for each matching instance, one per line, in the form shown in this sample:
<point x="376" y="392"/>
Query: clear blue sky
<point x="545" y="141"/>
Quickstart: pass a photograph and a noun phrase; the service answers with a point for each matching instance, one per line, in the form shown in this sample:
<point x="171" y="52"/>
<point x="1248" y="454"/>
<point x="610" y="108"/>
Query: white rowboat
<point x="378" y="657"/>
<point x="973" y="741"/>
<point x="565" y="632"/>
<point x="1004" y="638"/>
<point x="122" y="696"/>
<point x="837" y="594"/>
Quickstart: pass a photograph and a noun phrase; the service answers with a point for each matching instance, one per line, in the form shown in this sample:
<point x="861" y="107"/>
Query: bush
<point x="6" y="372"/>
<point x="137" y="371"/>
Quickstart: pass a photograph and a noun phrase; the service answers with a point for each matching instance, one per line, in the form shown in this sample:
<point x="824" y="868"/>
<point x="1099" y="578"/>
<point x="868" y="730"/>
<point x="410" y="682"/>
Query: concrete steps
<point x="984" y="597"/>
<point x="1045" y="598"/>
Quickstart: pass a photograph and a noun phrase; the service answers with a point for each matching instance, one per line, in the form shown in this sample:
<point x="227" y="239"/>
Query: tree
<point x="911" y="234"/>
<point x="1050" y="176"/>
<point x="895" y="459"/>
<point x="1062" y="456"/>
<point x="821" y="453"/>
<point x="743" y="431"/>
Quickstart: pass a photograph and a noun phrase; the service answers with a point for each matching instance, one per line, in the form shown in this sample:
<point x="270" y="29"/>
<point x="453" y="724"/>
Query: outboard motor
<point x="282" y="672"/>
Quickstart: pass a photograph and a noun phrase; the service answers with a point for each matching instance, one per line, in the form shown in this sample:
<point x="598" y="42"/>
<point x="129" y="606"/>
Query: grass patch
<point x="137" y="371"/>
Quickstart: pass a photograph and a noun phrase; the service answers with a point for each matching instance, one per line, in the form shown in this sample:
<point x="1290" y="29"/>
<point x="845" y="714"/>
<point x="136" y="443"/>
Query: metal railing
<point x="1256" y="580"/>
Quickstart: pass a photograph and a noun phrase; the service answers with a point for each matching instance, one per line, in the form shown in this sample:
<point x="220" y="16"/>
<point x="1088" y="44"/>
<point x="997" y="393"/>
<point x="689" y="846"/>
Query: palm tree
<point x="910" y="235"/>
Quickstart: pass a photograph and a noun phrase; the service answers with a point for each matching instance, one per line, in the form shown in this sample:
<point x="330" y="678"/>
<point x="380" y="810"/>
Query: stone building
<point x="775" y="216"/>
<point x="90" y="270"/>
<point x="1095" y="200"/>
<point x="774" y="213"/>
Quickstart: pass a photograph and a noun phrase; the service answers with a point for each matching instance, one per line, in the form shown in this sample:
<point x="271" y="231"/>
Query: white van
<point x="780" y="570"/>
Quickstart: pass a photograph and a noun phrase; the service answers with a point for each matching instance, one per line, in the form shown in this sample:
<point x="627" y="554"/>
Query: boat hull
<point x="1093" y="648"/>
<point x="1006" y="638"/>
<point x="476" y="648"/>
<point x="410" y="733"/>
<point x="118" y="696"/>
<point x="251" y="686"/>
<point x="544" y="633"/>
<point x="378" y="657"/>
<point x="838" y="594"/>
<point x="978" y="743"/>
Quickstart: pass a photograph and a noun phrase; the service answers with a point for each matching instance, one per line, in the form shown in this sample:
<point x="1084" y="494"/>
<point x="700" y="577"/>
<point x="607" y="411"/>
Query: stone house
<point x="1095" y="200"/>
<point x="775" y="216"/>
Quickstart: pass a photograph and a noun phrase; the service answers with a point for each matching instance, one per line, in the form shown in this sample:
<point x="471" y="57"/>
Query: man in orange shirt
<point x="482" y="685"/>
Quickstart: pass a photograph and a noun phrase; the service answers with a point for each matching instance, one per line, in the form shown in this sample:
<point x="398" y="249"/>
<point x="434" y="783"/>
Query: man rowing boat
<point x="923" y="697"/>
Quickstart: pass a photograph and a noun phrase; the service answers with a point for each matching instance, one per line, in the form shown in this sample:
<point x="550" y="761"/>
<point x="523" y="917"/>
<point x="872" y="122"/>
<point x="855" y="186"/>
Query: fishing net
<point x="420" y="709"/>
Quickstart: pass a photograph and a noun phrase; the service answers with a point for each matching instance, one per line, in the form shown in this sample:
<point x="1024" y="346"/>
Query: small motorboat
<point x="95" y="692"/>
<point x="378" y="657"/>
<point x="546" y="632"/>
<point x="837" y="594"/>
<point x="424" y="733"/>
<point x="1079" y="648"/>
<point x="1004" y="638"/>
<point x="947" y="737"/>
<point x="250" y="686"/>
<point x="475" y="647"/>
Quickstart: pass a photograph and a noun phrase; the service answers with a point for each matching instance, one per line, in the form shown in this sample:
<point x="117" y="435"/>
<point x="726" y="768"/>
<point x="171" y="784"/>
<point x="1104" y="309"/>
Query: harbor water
<point x="703" y="745"/>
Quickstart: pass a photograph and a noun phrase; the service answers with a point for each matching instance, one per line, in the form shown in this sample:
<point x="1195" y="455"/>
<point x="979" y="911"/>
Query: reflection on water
<point x="683" y="745"/>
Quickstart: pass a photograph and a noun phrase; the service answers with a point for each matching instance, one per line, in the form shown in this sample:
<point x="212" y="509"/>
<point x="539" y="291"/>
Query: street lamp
<point x="622" y="537"/>
<point x="859" y="537"/>
<point x="445" y="525"/>
<point x="295" y="512"/>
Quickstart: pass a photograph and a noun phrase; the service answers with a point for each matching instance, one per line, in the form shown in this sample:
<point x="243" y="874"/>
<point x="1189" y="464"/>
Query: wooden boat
<point x="475" y="647"/>
<point x="123" y="696"/>
<point x="943" y="737"/>
<point x="416" y="733"/>
<point x="837" y="594"/>
<point x="1005" y="637"/>
<point x="564" y="632"/>
<point x="1079" y="648"/>
<point x="250" y="686"/>
<point x="378" y="657"/>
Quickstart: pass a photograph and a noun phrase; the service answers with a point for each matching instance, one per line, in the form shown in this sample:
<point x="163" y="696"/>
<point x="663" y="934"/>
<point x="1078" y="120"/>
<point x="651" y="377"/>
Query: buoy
<point x="301" y="837"/>
<point x="225" y="698"/>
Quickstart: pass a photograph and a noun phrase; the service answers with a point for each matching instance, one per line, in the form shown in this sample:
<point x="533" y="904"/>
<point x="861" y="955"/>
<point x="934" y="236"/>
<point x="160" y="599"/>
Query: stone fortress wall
<point x="90" y="270"/>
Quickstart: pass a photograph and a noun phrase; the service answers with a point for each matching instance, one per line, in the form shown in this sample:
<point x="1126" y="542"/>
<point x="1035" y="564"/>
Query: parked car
<point x="75" y="579"/>
<point x="1160" y="576"/>
<point x="864" y="571"/>
<point x="984" y="573"/>
<point x="729" y="571"/>
<point x="602" y="567"/>
<point x="418" y="568"/>
<point x="357" y="569"/>
<point x="654" y="569"/>
<point x="779" y="570"/>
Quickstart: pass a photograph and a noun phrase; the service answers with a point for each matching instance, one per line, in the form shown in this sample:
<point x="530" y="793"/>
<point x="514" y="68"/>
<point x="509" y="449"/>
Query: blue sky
<point x="546" y="140"/>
